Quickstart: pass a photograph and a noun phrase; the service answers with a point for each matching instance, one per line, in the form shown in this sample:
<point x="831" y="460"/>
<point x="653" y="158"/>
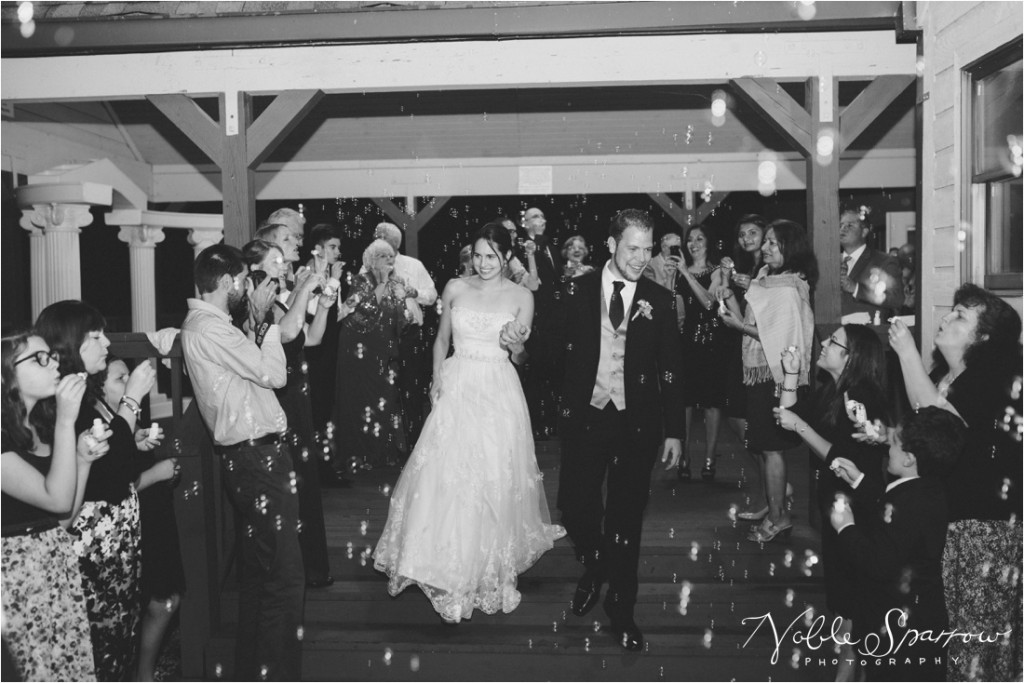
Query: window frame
<point x="977" y="188"/>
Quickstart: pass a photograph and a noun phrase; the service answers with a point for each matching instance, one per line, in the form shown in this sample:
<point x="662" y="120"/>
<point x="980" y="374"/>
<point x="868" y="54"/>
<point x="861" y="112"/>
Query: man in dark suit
<point x="871" y="281"/>
<point x="622" y="395"/>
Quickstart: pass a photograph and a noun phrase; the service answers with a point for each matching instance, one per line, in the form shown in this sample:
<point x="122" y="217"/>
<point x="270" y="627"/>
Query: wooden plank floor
<point x="356" y="631"/>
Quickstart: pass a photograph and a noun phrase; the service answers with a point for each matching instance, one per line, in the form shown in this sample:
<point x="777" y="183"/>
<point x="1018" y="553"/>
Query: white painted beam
<point x="633" y="60"/>
<point x="735" y="172"/>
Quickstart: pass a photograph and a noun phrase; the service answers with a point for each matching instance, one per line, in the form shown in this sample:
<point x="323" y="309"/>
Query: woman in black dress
<point x="704" y="359"/>
<point x="106" y="528"/>
<point x="163" y="576"/>
<point x="853" y="363"/>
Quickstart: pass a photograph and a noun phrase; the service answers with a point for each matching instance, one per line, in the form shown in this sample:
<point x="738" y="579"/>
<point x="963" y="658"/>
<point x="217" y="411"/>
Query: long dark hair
<point x="797" y="256"/>
<point x="65" y="326"/>
<point x="863" y="378"/>
<point x="712" y="253"/>
<point x="497" y="237"/>
<point x="747" y="263"/>
<point x="997" y="337"/>
<point x="12" y="419"/>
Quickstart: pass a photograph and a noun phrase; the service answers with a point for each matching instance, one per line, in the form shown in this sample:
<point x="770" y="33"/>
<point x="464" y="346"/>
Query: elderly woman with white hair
<point x="367" y="411"/>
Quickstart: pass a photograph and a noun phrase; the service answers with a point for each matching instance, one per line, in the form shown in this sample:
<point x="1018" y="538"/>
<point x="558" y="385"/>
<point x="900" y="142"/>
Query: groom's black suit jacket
<point x="653" y="363"/>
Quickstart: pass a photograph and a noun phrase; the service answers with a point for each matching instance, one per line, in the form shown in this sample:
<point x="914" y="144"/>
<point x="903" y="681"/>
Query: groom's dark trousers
<point x="611" y="551"/>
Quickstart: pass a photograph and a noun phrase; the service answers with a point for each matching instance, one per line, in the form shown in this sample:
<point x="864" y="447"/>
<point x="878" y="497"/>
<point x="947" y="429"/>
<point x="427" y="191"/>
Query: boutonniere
<point x="643" y="307"/>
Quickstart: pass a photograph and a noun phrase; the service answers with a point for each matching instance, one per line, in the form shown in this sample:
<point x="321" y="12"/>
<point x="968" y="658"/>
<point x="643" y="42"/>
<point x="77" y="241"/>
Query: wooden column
<point x="411" y="223"/>
<point x="821" y="133"/>
<point x="685" y="216"/>
<point x="823" y="195"/>
<point x="238" y="144"/>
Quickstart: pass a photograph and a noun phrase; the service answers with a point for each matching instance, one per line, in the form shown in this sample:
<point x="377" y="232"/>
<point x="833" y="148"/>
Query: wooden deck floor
<point x="356" y="631"/>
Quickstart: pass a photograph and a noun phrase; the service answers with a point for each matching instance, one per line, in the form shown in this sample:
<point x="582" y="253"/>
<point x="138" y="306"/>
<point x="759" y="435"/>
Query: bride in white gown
<point x="468" y="514"/>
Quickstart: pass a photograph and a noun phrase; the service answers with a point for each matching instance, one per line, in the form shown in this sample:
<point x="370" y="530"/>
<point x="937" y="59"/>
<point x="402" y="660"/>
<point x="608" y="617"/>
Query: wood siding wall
<point x="955" y="35"/>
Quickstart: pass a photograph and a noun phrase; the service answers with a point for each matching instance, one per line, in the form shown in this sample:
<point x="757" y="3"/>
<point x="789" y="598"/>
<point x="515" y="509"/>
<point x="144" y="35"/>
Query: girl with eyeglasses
<point x="45" y="626"/>
<point x="852" y="361"/>
<point x="106" y="527"/>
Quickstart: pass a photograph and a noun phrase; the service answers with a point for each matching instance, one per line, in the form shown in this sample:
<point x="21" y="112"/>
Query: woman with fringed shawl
<point x="778" y="317"/>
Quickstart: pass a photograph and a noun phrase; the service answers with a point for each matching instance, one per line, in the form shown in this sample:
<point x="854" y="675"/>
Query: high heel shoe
<point x="753" y="516"/>
<point x="684" y="470"/>
<point x="768" y="532"/>
<point x="707" y="473"/>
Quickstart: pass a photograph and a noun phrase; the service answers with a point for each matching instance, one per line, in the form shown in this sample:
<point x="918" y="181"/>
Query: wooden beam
<point x="184" y="113"/>
<point x="868" y="105"/>
<point x="238" y="182"/>
<point x="501" y="21"/>
<point x="391" y="210"/>
<point x="823" y="206"/>
<point x="280" y="118"/>
<point x="460" y="64"/>
<point x="707" y="208"/>
<point x="780" y="110"/>
<point x="672" y="208"/>
<point x="424" y="215"/>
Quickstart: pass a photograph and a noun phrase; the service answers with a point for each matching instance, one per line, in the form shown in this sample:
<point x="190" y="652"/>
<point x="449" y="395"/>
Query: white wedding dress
<point x="468" y="514"/>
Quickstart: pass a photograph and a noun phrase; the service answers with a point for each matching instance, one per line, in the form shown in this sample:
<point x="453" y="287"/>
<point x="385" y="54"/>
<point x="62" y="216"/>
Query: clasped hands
<point x="513" y="335"/>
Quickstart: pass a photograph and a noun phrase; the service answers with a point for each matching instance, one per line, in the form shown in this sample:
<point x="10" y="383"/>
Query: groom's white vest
<point x="610" y="383"/>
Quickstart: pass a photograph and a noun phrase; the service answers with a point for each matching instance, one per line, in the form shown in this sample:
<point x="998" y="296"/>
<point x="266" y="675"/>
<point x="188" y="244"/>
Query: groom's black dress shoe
<point x="588" y="592"/>
<point x="627" y="635"/>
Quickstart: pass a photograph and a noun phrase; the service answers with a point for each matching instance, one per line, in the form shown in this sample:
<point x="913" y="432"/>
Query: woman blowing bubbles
<point x="468" y="514"/>
<point x="45" y="625"/>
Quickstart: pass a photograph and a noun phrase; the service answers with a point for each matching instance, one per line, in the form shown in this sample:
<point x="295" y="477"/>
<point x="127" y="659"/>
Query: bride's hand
<point x="435" y="392"/>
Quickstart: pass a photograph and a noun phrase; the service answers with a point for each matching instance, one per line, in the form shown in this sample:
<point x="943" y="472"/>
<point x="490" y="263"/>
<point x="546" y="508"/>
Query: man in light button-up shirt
<point x="234" y="378"/>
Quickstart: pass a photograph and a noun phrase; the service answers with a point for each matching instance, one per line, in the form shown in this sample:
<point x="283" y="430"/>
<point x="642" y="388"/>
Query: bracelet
<point x="792" y="391"/>
<point x="128" y="403"/>
<point x="794" y="374"/>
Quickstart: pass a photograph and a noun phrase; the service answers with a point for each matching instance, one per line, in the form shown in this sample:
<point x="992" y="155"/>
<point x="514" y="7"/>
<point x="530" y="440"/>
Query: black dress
<point x="369" y="424"/>
<point x="163" y="574"/>
<point x="841" y="577"/>
<point x="106" y="535"/>
<point x="294" y="399"/>
<point x="704" y="360"/>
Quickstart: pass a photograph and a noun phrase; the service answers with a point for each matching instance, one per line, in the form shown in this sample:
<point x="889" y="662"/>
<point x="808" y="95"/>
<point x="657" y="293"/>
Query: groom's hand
<point x="672" y="452"/>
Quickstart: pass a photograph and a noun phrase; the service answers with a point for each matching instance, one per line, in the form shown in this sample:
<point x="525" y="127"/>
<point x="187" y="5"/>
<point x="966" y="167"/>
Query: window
<point x="996" y="139"/>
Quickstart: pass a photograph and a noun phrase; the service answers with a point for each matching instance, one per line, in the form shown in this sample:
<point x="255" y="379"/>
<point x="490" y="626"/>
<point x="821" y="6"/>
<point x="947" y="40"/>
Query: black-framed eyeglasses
<point x="42" y="358"/>
<point x="833" y="342"/>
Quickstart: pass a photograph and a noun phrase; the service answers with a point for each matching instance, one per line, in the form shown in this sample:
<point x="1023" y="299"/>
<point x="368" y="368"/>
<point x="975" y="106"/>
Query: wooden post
<point x="411" y="224"/>
<point x="821" y="134"/>
<point x="238" y="182"/>
<point x="684" y="216"/>
<point x="823" y="198"/>
<point x="238" y="144"/>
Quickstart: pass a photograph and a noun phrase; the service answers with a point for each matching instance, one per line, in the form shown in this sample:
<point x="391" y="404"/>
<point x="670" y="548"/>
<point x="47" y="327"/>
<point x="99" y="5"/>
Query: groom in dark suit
<point x="621" y="397"/>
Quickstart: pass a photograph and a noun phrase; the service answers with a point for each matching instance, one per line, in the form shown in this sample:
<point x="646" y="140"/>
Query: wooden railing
<point x="199" y="507"/>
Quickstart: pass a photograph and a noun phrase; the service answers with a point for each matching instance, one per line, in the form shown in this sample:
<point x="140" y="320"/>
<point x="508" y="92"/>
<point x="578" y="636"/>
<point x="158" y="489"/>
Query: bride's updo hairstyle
<point x="497" y="237"/>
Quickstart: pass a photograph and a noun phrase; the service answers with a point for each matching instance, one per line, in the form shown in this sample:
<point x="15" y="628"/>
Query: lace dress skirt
<point x="469" y="512"/>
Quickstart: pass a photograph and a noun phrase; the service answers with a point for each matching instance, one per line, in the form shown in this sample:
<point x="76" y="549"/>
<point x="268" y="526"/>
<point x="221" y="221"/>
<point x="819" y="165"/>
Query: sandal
<point x="768" y="532"/>
<point x="684" y="470"/>
<point x="707" y="473"/>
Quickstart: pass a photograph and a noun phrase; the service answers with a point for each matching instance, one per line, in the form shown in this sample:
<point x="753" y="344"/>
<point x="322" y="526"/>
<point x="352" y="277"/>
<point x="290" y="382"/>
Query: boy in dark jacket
<point x="897" y="550"/>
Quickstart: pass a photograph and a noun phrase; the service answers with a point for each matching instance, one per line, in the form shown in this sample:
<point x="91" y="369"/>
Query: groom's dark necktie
<point x="616" y="312"/>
